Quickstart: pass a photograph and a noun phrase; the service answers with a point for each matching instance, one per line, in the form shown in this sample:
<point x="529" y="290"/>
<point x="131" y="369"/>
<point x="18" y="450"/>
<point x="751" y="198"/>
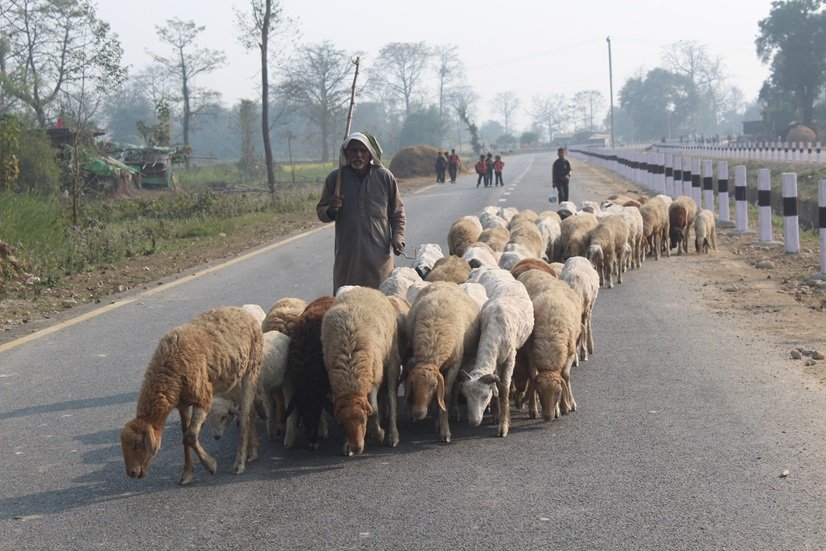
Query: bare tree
<point x="506" y="104"/>
<point x="400" y="69"/>
<point x="449" y="70"/>
<point x="586" y="102"/>
<point x="548" y="112"/>
<point x="265" y="20"/>
<point x="186" y="63"/>
<point x="317" y="80"/>
<point x="463" y="100"/>
<point x="48" y="47"/>
<point x="706" y="74"/>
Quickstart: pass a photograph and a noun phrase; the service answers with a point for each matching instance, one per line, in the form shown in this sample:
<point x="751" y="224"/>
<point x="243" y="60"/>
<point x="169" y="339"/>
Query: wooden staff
<point x="348" y="124"/>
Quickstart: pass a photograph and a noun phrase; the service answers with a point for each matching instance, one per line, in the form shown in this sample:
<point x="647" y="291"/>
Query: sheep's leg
<point x="252" y="443"/>
<point x="568" y="402"/>
<point x="504" y="395"/>
<point x="191" y="440"/>
<point x="373" y="422"/>
<point x="291" y="422"/>
<point x="391" y="379"/>
<point x="247" y="426"/>
<point x="279" y="407"/>
<point x="444" y="416"/>
<point x="186" y="416"/>
<point x="270" y="411"/>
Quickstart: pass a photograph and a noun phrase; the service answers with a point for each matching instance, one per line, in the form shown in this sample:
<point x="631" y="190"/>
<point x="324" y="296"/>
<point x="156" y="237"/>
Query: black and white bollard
<point x="722" y="190"/>
<point x="696" y="182"/>
<point x="669" y="175"/>
<point x="708" y="186"/>
<point x="791" y="223"/>
<point x="764" y="205"/>
<point x="821" y="215"/>
<point x="678" y="177"/>
<point x="741" y="206"/>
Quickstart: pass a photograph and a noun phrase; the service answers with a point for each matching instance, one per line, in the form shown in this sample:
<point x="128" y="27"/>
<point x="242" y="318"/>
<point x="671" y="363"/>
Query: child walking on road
<point x="498" y="165"/>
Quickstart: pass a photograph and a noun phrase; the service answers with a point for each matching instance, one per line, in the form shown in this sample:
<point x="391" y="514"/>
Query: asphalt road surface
<point x="685" y="428"/>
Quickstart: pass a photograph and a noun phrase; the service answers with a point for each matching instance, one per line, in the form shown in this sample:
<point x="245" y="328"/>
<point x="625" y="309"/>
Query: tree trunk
<point x="265" y="102"/>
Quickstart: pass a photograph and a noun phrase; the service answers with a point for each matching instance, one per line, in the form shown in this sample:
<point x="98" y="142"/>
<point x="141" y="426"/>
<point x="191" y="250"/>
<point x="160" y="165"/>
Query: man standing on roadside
<point x="368" y="212"/>
<point x="561" y="174"/>
<point x="453" y="165"/>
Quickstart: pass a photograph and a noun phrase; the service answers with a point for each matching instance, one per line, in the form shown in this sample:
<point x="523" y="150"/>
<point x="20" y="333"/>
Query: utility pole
<point x="611" y="88"/>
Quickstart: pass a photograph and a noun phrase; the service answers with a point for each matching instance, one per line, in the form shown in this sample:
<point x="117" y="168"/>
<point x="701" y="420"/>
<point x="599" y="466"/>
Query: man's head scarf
<point x="369" y="142"/>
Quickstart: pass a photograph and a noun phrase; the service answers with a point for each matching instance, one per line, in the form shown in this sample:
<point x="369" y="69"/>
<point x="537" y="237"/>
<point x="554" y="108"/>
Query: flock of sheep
<point x="500" y="320"/>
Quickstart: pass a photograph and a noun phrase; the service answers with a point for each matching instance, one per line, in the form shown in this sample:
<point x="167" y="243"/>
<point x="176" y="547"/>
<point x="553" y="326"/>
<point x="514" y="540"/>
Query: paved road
<point x="684" y="428"/>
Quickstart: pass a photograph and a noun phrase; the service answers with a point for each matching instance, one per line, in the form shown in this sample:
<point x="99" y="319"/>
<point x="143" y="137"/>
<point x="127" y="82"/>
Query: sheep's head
<point x="675" y="236"/>
<point x="549" y="386"/>
<point x="220" y="414"/>
<point x="139" y="441"/>
<point x="309" y="405"/>
<point x="420" y="387"/>
<point x="478" y="393"/>
<point x="595" y="254"/>
<point x="352" y="413"/>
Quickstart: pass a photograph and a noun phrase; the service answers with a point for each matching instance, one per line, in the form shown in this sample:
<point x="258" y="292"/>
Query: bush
<point x="40" y="171"/>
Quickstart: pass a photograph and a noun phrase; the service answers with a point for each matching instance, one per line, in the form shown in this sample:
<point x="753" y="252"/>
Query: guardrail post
<point x="708" y="185"/>
<point x="669" y="175"/>
<point x="791" y="223"/>
<point x="678" y="177"/>
<point x="764" y="205"/>
<point x="686" y="176"/>
<point x="722" y="190"/>
<point x="822" y="224"/>
<point x="741" y="207"/>
<point x="696" y="182"/>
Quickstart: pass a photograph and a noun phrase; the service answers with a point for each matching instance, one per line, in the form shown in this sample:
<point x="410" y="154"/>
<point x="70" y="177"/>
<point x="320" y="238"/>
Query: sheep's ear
<point x="151" y="440"/>
<point x="440" y="391"/>
<point x="495" y="389"/>
<point x="489" y="379"/>
<point x="464" y="375"/>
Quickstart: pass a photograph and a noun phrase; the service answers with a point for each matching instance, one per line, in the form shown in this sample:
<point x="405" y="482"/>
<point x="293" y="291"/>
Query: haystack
<point x="414" y="161"/>
<point x="801" y="134"/>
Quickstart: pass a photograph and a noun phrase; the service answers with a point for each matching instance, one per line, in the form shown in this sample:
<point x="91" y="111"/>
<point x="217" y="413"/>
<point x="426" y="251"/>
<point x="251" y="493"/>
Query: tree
<point x="186" y="63"/>
<point x="246" y="124"/>
<point x="49" y="48"/>
<point x="548" y="112"/>
<point x="422" y="127"/>
<point x="449" y="70"/>
<point x="586" y="102"/>
<point x="463" y="100"/>
<point x="399" y="71"/>
<point x="264" y="20"/>
<point x="792" y="40"/>
<point x="506" y="104"/>
<point x="708" y="82"/>
<point x="318" y="81"/>
<point x="658" y="103"/>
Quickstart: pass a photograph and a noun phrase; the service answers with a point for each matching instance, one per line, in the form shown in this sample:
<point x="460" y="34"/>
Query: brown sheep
<point x="495" y="237"/>
<point x="531" y="264"/>
<point x="359" y="336"/>
<point x="450" y="268"/>
<point x="681" y="214"/>
<point x="606" y="248"/>
<point x="282" y="315"/>
<point x="212" y="353"/>
<point x="462" y="233"/>
<point x="573" y="237"/>
<point x="705" y="231"/>
<point x="654" y="217"/>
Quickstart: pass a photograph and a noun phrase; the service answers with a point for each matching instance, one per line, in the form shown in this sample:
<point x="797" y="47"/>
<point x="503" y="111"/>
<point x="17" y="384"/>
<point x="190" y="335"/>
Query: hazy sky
<point x="528" y="46"/>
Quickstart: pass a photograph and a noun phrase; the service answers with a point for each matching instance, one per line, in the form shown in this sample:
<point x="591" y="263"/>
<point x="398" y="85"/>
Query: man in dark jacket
<point x="561" y="174"/>
<point x="368" y="212"/>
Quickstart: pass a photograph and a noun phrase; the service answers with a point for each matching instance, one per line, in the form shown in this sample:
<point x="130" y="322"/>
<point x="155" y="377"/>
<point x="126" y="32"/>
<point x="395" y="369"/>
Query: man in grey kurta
<point x="368" y="212"/>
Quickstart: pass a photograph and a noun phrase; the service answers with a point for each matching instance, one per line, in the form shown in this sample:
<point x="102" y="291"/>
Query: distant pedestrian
<point x="453" y="165"/>
<point x="498" y="165"/>
<point x="489" y="170"/>
<point x="561" y="174"/>
<point x="441" y="168"/>
<point x="482" y="170"/>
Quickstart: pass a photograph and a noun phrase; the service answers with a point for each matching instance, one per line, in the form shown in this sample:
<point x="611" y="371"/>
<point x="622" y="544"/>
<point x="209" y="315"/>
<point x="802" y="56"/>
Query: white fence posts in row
<point x="741" y="206"/>
<point x="821" y="214"/>
<point x="764" y="205"/>
<point x="791" y="224"/>
<point x="722" y="190"/>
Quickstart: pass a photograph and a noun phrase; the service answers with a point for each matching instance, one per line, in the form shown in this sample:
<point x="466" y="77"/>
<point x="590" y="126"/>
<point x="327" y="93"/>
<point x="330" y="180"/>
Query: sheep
<point x="556" y="266"/>
<point x="507" y="213"/>
<point x="426" y="256"/>
<point x="282" y="315"/>
<point x="476" y="291"/>
<point x="443" y="325"/>
<point x="606" y="248"/>
<point x="399" y="281"/>
<point x="495" y="237"/>
<point x="359" y="336"/>
<point x="549" y="214"/>
<point x="256" y="310"/>
<point x="490" y="220"/>
<point x="566" y="209"/>
<point x="654" y="215"/>
<point x="526" y="215"/>
<point x="307" y="386"/>
<point x="480" y="254"/>
<point x="210" y="354"/>
<point x="268" y="391"/>
<point x="530" y="264"/>
<point x="536" y="280"/>
<point x="511" y="258"/>
<point x="450" y="268"/>
<point x="526" y="233"/>
<point x="681" y="214"/>
<point x="551" y="231"/>
<point x="705" y="231"/>
<point x="462" y="233"/>
<point x="414" y="290"/>
<point x="590" y="206"/>
<point x="573" y="235"/>
<point x="551" y="349"/>
<point x="617" y="199"/>
<point x="633" y="221"/>
<point x="506" y="322"/>
<point x="580" y="274"/>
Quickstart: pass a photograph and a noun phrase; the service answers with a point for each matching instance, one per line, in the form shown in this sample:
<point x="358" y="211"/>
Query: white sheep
<point x="399" y="281"/>
<point x="225" y="406"/>
<point x="551" y="231"/>
<point x="480" y="254"/>
<point x="496" y="237"/>
<point x="573" y="239"/>
<point x="283" y="314"/>
<point x="212" y="353"/>
<point x="256" y="311"/>
<point x="705" y="231"/>
<point x="443" y="325"/>
<point x="426" y="256"/>
<point x="506" y="323"/>
<point x="450" y="268"/>
<point x="607" y="244"/>
<point x="525" y="232"/>
<point x="580" y="274"/>
<point x="633" y="221"/>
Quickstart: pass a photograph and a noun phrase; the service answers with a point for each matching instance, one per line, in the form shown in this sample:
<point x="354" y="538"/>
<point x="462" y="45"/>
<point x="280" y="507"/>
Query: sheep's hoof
<point x="210" y="464"/>
<point x="393" y="439"/>
<point x="444" y="437"/>
<point x="186" y="478"/>
<point x="532" y="414"/>
<point x="239" y="468"/>
<point x="503" y="431"/>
